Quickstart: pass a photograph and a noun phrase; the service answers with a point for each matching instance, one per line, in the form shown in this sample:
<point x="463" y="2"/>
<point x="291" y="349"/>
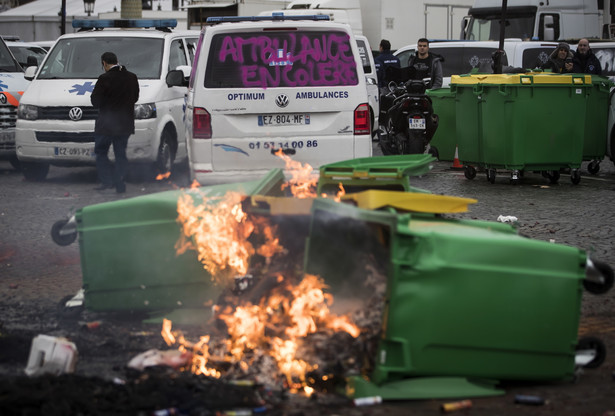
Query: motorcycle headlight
<point x="27" y="112"/>
<point x="143" y="111"/>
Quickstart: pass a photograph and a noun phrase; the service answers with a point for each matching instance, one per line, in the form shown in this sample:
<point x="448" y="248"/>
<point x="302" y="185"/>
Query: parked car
<point x="463" y="57"/>
<point x="26" y="53"/>
<point x="264" y="84"/>
<point x="55" y="123"/>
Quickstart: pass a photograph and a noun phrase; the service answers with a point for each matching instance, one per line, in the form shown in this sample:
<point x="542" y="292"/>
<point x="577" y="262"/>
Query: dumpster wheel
<point x="598" y="347"/>
<point x="552" y="176"/>
<point x="469" y="172"/>
<point x="60" y="237"/>
<point x="593" y="167"/>
<point x="491" y="175"/>
<point x="575" y="176"/>
<point x="596" y="287"/>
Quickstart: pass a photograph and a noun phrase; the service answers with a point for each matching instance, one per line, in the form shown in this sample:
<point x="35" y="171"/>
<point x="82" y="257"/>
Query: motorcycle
<point x="407" y="119"/>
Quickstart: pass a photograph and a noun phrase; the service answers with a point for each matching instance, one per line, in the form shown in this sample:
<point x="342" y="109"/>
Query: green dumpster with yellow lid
<point x="518" y="122"/>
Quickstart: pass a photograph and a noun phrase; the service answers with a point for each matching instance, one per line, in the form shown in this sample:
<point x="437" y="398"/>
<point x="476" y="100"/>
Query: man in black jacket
<point x="584" y="60"/>
<point x="115" y="95"/>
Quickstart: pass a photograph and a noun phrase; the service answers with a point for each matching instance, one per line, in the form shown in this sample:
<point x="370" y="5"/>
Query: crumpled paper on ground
<point x="170" y="358"/>
<point x="507" y="218"/>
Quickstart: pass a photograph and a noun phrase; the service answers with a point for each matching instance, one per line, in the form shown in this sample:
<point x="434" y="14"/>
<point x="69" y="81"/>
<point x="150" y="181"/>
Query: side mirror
<point x="548" y="27"/>
<point x="30" y="72"/>
<point x="176" y="78"/>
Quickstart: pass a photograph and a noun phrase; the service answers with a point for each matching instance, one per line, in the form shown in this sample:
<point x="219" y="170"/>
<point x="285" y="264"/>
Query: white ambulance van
<point x="12" y="86"/>
<point x="262" y="84"/>
<point x="55" y="124"/>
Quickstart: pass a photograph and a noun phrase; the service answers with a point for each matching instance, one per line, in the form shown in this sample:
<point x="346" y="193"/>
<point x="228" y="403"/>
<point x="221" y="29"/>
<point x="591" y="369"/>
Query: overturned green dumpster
<point x="426" y="305"/>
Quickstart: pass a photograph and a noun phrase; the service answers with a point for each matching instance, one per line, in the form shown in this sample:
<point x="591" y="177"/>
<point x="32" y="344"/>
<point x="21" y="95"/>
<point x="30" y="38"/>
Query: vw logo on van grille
<point x="281" y="100"/>
<point x="3" y="99"/>
<point x="75" y="113"/>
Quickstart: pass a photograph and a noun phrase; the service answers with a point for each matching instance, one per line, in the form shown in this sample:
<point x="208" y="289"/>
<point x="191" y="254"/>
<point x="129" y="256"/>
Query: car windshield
<point x="22" y="52"/>
<point x="7" y="62"/>
<point x="79" y="58"/>
<point x="281" y="59"/>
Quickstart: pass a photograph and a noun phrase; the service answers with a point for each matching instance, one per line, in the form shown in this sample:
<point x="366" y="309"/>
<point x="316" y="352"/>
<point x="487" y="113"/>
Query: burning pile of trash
<point x="273" y="323"/>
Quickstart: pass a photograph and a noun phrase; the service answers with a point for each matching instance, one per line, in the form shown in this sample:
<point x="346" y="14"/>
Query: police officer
<point x="584" y="60"/>
<point x="383" y="61"/>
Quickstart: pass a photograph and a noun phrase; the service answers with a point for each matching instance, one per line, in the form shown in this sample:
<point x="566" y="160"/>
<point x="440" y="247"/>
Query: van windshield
<point x="79" y="58"/>
<point x="280" y="59"/>
<point x="7" y="62"/>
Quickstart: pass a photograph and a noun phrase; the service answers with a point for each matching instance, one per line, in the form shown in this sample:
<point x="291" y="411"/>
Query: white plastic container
<point x="51" y="355"/>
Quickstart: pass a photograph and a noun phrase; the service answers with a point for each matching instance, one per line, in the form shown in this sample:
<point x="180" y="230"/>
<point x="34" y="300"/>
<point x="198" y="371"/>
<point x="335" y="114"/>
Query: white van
<point x="12" y="86"/>
<point x="371" y="79"/>
<point x="267" y="83"/>
<point x="463" y="57"/>
<point x="55" y="123"/>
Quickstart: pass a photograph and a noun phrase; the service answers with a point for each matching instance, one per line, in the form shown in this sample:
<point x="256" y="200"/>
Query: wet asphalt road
<point x="33" y="267"/>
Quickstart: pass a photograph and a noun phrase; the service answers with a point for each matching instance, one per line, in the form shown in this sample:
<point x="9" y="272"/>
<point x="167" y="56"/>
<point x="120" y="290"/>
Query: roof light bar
<point x="274" y="17"/>
<point x="124" y="23"/>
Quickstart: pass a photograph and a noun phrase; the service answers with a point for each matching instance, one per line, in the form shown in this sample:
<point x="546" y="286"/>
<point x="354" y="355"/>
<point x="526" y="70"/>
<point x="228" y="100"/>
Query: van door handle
<point x="285" y="151"/>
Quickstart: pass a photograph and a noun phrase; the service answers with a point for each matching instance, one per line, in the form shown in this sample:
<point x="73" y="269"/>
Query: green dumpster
<point x="458" y="302"/>
<point x="596" y="122"/>
<point x="445" y="139"/>
<point x="521" y="122"/>
<point x="128" y="253"/>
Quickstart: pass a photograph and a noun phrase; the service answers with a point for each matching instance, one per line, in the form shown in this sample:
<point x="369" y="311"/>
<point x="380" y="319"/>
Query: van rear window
<point x="281" y="59"/>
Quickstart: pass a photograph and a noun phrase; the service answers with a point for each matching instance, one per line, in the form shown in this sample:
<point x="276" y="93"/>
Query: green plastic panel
<point x="445" y="138"/>
<point x="464" y="298"/>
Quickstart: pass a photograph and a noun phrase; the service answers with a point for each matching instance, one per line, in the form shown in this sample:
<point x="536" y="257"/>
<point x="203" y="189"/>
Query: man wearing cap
<point x="584" y="60"/>
<point x="560" y="60"/>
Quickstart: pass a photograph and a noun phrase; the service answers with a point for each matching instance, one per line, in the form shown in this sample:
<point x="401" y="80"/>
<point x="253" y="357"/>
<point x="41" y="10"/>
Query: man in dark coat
<point x="383" y="61"/>
<point x="115" y="95"/>
<point x="426" y="65"/>
<point x="584" y="60"/>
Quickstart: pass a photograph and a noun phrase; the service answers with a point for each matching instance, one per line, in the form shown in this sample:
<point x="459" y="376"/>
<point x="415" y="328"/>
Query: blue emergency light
<point x="276" y="16"/>
<point x="125" y="23"/>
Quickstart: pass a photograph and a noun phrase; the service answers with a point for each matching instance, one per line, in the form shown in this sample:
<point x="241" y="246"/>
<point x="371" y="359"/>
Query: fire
<point x="162" y="176"/>
<point x="278" y="323"/>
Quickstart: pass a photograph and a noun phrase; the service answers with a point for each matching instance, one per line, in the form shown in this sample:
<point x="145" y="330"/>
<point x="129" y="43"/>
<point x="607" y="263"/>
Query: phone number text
<point x="298" y="144"/>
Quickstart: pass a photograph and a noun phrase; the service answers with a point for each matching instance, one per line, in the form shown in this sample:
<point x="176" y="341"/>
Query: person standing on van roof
<point x="560" y="60"/>
<point x="426" y="65"/>
<point x="383" y="61"/>
<point x="115" y="95"/>
<point x="584" y="60"/>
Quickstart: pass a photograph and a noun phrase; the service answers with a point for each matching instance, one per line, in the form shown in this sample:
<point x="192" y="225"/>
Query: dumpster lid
<point x="409" y="201"/>
<point x="396" y="166"/>
<point x="522" y="79"/>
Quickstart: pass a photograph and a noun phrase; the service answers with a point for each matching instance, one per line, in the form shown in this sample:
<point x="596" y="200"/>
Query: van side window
<point x="404" y="57"/>
<point x="481" y="58"/>
<point x="281" y="59"/>
<point x="191" y="45"/>
<point x="364" y="58"/>
<point x="177" y="55"/>
<point x="536" y="57"/>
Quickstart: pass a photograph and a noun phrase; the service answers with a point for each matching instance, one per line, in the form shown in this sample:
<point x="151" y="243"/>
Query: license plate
<point x="417" y="123"/>
<point x="7" y="137"/>
<point x="72" y="151"/>
<point x="283" y="119"/>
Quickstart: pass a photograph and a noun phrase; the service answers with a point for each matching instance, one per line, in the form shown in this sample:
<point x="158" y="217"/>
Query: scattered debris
<point x="367" y="401"/>
<point x="507" y="218"/>
<point x="51" y="355"/>
<point x="451" y="407"/>
<point x="531" y="400"/>
<point x="170" y="358"/>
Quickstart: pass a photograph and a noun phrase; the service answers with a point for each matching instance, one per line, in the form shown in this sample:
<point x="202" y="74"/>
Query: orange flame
<point x="302" y="182"/>
<point x="162" y="176"/>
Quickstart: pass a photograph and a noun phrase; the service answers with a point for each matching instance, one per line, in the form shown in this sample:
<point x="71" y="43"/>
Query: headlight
<point x="27" y="112"/>
<point x="143" y="111"/>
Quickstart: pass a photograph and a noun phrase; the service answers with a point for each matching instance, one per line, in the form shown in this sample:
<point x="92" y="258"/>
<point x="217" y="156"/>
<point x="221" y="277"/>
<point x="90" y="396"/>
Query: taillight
<point x="362" y="122"/>
<point x="201" y="124"/>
